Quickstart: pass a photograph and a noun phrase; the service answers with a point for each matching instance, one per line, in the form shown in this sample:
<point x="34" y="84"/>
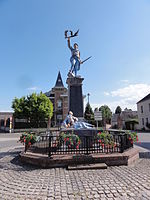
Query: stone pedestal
<point x="75" y="96"/>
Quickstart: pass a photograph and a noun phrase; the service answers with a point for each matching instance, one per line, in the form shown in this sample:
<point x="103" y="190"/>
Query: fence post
<point x="26" y="147"/>
<point x="121" y="144"/>
<point x="49" y="152"/>
<point x="87" y="145"/>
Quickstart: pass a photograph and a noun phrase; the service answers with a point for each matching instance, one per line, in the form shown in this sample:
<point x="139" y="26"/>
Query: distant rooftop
<point x="144" y="99"/>
<point x="59" y="82"/>
<point x="58" y="85"/>
<point x="6" y="111"/>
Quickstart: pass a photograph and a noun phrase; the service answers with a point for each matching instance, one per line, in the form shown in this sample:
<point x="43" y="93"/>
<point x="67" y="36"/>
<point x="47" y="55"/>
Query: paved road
<point x="144" y="138"/>
<point x="9" y="140"/>
<point x="25" y="182"/>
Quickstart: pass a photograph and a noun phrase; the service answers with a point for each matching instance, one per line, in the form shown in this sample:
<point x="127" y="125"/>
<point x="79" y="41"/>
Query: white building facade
<point x="143" y="107"/>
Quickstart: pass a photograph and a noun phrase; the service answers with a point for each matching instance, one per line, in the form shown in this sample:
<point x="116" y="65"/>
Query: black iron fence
<point x="51" y="145"/>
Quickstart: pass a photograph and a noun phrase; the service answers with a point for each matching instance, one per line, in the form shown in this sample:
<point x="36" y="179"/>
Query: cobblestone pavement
<point x="18" y="181"/>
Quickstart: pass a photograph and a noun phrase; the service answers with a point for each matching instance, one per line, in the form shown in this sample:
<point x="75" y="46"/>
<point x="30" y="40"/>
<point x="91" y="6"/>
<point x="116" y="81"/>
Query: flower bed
<point x="132" y="136"/>
<point x="70" y="140"/>
<point x="28" y="139"/>
<point x="105" y="139"/>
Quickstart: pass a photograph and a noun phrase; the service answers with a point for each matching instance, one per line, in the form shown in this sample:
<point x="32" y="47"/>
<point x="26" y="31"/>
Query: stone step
<point x="87" y="166"/>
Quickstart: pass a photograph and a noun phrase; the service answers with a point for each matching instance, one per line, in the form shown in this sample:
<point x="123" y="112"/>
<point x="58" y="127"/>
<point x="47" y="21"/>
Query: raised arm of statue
<point x="69" y="46"/>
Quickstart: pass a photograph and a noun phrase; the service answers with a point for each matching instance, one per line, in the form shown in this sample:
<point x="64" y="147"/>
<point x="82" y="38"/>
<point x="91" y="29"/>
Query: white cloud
<point x="133" y="91"/>
<point x="113" y="104"/>
<point x="126" y="96"/>
<point x="33" y="88"/>
<point x="106" y="93"/>
<point x="125" y="81"/>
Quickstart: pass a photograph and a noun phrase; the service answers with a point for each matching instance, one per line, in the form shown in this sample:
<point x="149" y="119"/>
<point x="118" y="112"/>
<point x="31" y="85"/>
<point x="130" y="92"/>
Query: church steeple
<point x="59" y="82"/>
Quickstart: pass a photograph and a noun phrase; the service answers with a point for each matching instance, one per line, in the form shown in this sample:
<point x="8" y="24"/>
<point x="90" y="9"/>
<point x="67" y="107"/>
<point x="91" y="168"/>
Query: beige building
<point x="6" y="121"/>
<point x="127" y="119"/>
<point x="143" y="107"/>
<point x="59" y="97"/>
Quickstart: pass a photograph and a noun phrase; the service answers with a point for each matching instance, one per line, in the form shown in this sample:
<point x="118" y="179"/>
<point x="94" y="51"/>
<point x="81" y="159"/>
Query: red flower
<point x="77" y="147"/>
<point x="31" y="137"/>
<point x="100" y="141"/>
<point x="29" y="143"/>
<point x="129" y="138"/>
<point x="24" y="140"/>
<point x="103" y="145"/>
<point x="132" y="142"/>
<point x="99" y="133"/>
<point x="79" y="142"/>
<point x="67" y="139"/>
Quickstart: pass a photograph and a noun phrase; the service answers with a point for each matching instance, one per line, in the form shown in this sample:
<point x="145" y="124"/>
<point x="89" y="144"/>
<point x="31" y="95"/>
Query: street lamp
<point x="88" y="97"/>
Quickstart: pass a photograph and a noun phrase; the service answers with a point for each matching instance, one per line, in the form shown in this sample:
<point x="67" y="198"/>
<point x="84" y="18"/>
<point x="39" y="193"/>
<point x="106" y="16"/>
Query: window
<point x="59" y="117"/>
<point x="52" y="95"/>
<point x="143" y="121"/>
<point x="146" y="120"/>
<point x="141" y="109"/>
<point x="59" y="103"/>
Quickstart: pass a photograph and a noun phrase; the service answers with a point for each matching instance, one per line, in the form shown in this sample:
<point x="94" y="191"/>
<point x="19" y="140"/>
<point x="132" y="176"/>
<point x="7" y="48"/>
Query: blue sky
<point x="115" y="33"/>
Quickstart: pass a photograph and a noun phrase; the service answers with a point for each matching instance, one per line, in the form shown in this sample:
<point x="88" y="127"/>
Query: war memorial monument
<point x="79" y="142"/>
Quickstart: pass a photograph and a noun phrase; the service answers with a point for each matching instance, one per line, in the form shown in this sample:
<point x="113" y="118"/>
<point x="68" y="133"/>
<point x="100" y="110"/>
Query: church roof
<point x="59" y="82"/>
<point x="144" y="99"/>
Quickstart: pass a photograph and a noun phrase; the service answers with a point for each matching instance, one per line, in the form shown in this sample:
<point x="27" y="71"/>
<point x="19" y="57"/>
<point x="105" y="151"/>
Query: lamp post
<point x="88" y="97"/>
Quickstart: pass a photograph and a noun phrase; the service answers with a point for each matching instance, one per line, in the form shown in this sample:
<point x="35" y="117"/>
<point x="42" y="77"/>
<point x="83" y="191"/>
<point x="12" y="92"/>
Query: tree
<point x="96" y="109"/>
<point x="118" y="110"/>
<point x="106" y="114"/>
<point x="88" y="114"/>
<point x="20" y="108"/>
<point x="36" y="108"/>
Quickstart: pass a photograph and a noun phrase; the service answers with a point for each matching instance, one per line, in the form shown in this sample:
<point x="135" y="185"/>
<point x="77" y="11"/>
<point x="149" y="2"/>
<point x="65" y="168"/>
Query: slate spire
<point x="59" y="82"/>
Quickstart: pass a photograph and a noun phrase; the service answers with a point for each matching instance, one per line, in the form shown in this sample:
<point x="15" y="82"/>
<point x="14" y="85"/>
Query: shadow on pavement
<point x="10" y="160"/>
<point x="144" y="154"/>
<point x="146" y="146"/>
<point x="12" y="154"/>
